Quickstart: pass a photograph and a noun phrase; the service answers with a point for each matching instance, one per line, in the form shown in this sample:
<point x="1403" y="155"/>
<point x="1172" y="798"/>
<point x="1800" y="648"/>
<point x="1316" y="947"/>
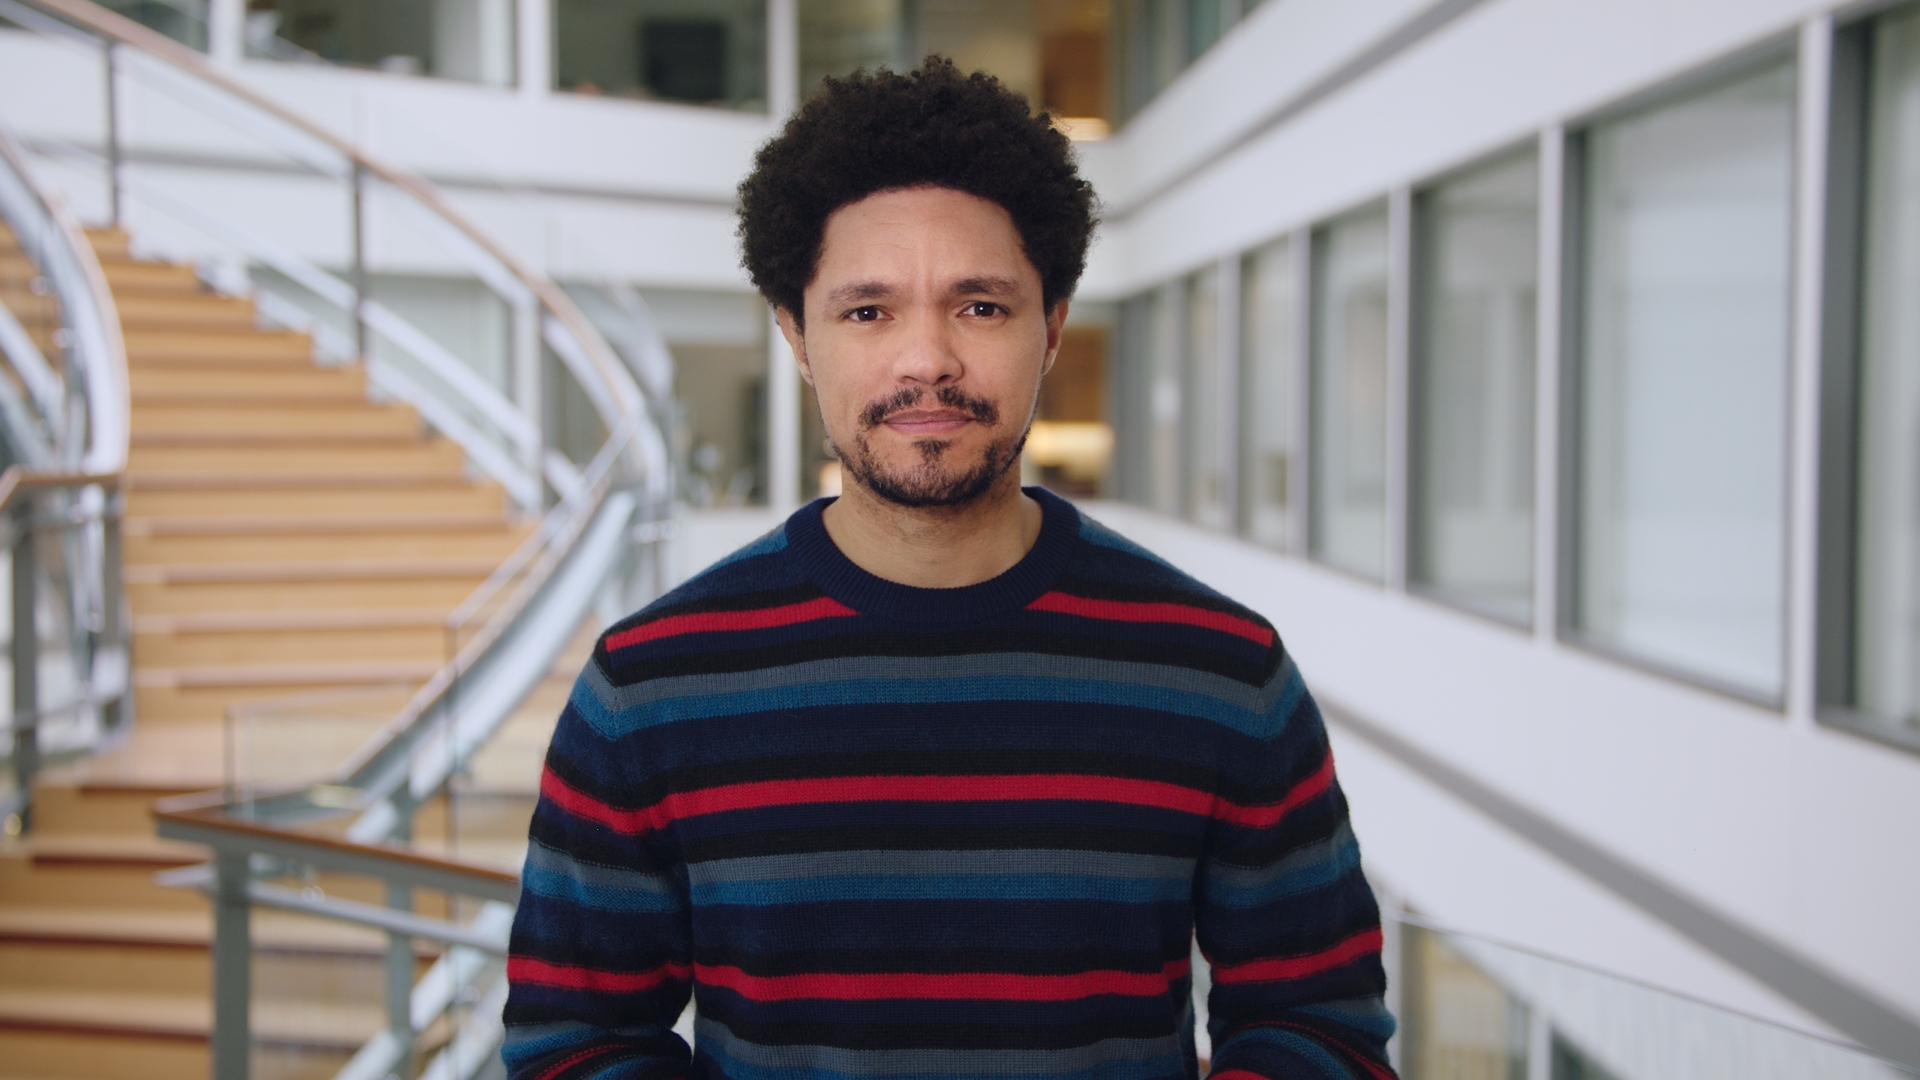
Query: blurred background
<point x="1548" y="371"/>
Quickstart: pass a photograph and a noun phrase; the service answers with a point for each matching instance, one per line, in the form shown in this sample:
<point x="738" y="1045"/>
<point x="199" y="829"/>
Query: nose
<point x="928" y="354"/>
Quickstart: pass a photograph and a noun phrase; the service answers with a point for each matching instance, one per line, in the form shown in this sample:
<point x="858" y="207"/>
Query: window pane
<point x="1887" y="607"/>
<point x="472" y="40"/>
<point x="841" y="36"/>
<point x="1204" y="499"/>
<point x="1349" y="459"/>
<point x="1149" y="398"/>
<point x="710" y="52"/>
<point x="1266" y="400"/>
<point x="1472" y="535"/>
<point x="1682" y="448"/>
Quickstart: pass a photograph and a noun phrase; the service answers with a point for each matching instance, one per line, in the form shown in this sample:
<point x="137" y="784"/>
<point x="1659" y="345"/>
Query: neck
<point x="935" y="547"/>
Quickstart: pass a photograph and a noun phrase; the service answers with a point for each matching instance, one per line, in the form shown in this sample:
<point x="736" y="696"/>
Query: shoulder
<point x="757" y="576"/>
<point x="1109" y="559"/>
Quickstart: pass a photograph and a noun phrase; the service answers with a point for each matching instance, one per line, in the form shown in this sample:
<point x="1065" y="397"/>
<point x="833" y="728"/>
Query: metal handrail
<point x="108" y="682"/>
<point x="125" y="31"/>
<point x="73" y="270"/>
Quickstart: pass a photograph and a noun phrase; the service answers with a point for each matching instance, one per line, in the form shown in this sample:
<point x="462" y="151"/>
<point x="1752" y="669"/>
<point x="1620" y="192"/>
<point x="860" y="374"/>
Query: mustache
<point x="876" y="413"/>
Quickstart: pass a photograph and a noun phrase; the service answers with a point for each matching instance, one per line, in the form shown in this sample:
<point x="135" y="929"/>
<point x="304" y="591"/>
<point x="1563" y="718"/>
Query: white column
<point x="534" y="46"/>
<point x="1399" y="365"/>
<point x="1227" y="339"/>
<point x="783" y="58"/>
<point x="1547" y="466"/>
<point x="1300" y="395"/>
<point x="526" y="384"/>
<point x="783" y="423"/>
<point x="1809" y="283"/>
<point x="226" y="31"/>
<point x="473" y="40"/>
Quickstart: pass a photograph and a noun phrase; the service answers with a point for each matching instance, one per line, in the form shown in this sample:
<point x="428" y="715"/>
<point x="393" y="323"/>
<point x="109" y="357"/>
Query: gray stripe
<point x="1248" y="877"/>
<point x="1859" y="1013"/>
<point x="541" y="857"/>
<point x="1400" y="40"/>
<point x="1100" y="864"/>
<point x="710" y="1033"/>
<point x="915" y="668"/>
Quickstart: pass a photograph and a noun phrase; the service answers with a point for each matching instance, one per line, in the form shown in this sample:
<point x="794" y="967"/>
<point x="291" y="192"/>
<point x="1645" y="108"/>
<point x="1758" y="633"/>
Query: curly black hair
<point x="880" y="131"/>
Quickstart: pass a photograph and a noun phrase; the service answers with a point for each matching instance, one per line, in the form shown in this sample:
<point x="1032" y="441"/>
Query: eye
<point x="984" y="309"/>
<point x="864" y="314"/>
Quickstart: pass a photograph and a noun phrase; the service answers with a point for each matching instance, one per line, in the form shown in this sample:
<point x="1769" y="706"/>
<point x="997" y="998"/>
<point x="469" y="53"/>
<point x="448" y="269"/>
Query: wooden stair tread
<point x="337" y="523"/>
<point x="251" y="481"/>
<point x="274" y="621"/>
<point x="180" y="929"/>
<point x="112" y="849"/>
<point x="184" y="1016"/>
<point x="358" y="673"/>
<point x="346" y="570"/>
<point x="291" y="440"/>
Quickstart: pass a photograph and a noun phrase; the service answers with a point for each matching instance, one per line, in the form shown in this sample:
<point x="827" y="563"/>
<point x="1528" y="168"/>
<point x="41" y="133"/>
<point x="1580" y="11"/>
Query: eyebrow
<point x="859" y="290"/>
<point x="987" y="286"/>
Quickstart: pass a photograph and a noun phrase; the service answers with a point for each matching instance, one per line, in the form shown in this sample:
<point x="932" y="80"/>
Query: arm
<point x="599" y="966"/>
<point x="1284" y="915"/>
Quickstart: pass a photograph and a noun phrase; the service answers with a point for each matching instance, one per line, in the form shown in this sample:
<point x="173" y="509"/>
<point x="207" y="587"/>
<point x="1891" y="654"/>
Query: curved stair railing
<point x="385" y="216"/>
<point x="64" y="420"/>
<point x="340" y="844"/>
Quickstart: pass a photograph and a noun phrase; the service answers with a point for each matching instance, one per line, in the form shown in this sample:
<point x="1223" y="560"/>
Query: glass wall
<point x="1886" y="615"/>
<point x="1682" y="386"/>
<point x="1157" y="39"/>
<point x="1471" y="534"/>
<point x="1148" y="402"/>
<point x="470" y="40"/>
<point x="698" y="52"/>
<point x="1052" y="51"/>
<point x="1202" y="486"/>
<point x="1348" y="455"/>
<point x="1267" y="348"/>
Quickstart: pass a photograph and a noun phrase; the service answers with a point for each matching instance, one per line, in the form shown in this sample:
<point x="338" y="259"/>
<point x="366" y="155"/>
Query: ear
<point x="795" y="341"/>
<point x="1056" y="324"/>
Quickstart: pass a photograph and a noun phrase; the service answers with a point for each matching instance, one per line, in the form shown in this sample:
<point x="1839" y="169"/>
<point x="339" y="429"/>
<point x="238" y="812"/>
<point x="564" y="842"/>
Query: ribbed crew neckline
<point x="1019" y="585"/>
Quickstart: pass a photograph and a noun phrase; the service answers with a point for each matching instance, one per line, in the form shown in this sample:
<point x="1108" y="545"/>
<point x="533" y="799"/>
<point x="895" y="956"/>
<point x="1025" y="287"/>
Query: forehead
<point x="925" y="231"/>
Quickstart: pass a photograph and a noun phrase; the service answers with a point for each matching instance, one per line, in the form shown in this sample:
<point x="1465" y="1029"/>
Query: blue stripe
<point x="940" y="887"/>
<point x="1298" y="1045"/>
<point x="1304" y="879"/>
<point x="1166" y="1066"/>
<point x="559" y="886"/>
<point x="897" y="693"/>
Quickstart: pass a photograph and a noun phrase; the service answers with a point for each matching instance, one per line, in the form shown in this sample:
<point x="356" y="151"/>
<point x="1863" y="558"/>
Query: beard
<point x="934" y="480"/>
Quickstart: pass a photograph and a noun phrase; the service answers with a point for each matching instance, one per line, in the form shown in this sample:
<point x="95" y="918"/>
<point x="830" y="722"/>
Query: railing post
<point x="114" y="193"/>
<point x="399" y="962"/>
<point x="360" y="342"/>
<point x="116" y="715"/>
<point x="25" y="655"/>
<point x="232" y="966"/>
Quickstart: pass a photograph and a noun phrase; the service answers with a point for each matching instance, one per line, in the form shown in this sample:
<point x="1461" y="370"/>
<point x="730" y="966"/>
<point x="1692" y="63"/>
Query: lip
<point x="927" y="421"/>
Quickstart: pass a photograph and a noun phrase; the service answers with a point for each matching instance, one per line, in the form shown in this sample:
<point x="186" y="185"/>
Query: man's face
<point x="926" y="337"/>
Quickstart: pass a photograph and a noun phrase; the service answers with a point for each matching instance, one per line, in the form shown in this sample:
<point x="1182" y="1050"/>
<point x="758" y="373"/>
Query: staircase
<point x="284" y="535"/>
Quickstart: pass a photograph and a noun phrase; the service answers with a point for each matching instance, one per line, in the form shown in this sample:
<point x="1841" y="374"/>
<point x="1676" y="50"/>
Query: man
<point x="940" y="778"/>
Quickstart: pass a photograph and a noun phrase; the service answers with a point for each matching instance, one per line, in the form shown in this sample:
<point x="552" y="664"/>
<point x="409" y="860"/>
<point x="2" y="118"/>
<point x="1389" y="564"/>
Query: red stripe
<point x="1014" y="787"/>
<point x="981" y="986"/>
<point x="704" y="622"/>
<point x="1235" y="1074"/>
<point x="526" y="969"/>
<point x="1311" y="788"/>
<point x="1282" y="968"/>
<point x="1129" y="611"/>
<point x="577" y="1057"/>
<point x="580" y="804"/>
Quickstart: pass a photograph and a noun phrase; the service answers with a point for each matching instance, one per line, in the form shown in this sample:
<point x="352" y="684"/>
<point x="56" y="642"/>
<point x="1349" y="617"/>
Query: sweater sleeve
<point x="599" y="966"/>
<point x="1284" y="915"/>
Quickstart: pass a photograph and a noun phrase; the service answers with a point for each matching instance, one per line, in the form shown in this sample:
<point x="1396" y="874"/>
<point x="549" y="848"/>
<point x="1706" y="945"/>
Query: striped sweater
<point x="876" y="830"/>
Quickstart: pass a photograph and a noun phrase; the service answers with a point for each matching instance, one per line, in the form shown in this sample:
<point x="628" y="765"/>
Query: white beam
<point x="1803" y="443"/>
